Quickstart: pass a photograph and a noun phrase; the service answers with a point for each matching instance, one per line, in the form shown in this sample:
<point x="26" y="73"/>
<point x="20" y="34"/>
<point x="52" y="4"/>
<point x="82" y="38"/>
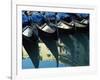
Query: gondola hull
<point x="81" y="27"/>
<point x="64" y="28"/>
<point x="47" y="33"/>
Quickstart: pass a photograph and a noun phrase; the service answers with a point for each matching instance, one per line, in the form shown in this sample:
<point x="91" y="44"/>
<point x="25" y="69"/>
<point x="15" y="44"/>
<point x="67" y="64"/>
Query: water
<point x="27" y="64"/>
<point x="78" y="47"/>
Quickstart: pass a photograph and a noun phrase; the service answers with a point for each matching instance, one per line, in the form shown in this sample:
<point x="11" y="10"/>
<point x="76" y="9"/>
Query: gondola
<point x="46" y="31"/>
<point x="65" y="27"/>
<point x="81" y="26"/>
<point x="81" y="22"/>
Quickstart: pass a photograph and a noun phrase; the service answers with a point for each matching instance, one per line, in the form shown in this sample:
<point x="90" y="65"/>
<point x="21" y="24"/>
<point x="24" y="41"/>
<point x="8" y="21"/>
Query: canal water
<point x="76" y="45"/>
<point x="27" y="64"/>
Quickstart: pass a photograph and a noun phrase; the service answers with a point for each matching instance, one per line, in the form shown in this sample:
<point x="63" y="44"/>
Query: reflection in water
<point x="51" y="44"/>
<point x="31" y="46"/>
<point x="83" y="48"/>
<point x="77" y="49"/>
<point x="73" y="50"/>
